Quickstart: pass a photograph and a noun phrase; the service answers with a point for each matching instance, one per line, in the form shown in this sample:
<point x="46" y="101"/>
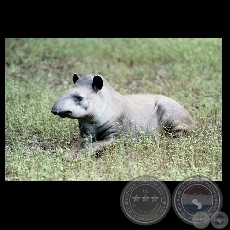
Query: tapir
<point x="104" y="113"/>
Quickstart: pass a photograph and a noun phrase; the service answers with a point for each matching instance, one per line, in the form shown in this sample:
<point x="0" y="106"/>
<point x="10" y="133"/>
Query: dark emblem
<point x="145" y="200"/>
<point x="219" y="220"/>
<point x="196" y="195"/>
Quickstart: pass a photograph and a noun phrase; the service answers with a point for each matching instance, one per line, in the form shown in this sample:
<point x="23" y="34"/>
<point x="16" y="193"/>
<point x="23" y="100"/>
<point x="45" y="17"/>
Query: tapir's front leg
<point x="100" y="145"/>
<point x="80" y="147"/>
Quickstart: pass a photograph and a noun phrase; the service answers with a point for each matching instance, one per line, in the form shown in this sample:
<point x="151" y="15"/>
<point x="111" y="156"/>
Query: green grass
<point x="38" y="71"/>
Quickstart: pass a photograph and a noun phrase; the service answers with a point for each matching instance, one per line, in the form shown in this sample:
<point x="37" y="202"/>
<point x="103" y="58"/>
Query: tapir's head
<point x="82" y="99"/>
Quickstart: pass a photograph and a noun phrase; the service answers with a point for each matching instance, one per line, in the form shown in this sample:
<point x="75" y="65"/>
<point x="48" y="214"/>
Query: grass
<point x="38" y="71"/>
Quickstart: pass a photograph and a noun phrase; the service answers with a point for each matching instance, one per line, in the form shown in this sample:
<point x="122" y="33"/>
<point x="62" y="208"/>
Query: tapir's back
<point x="149" y="112"/>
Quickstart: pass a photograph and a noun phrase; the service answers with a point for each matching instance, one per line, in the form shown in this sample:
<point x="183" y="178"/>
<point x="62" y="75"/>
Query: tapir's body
<point x="103" y="113"/>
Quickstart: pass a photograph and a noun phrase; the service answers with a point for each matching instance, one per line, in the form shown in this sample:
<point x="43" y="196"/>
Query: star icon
<point x="154" y="198"/>
<point x="145" y="198"/>
<point x="136" y="198"/>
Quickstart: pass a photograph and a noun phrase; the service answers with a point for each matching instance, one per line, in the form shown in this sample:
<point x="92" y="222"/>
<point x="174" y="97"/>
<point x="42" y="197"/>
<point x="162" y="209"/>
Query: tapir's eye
<point x="78" y="98"/>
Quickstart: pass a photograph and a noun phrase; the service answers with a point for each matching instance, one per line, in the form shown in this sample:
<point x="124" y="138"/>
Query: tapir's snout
<point x="62" y="114"/>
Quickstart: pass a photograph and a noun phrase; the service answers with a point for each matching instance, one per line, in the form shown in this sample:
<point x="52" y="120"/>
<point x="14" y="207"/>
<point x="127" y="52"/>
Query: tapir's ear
<point x="75" y="78"/>
<point x="97" y="83"/>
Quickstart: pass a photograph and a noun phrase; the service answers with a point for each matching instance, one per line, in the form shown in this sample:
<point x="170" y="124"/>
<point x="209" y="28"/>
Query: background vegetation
<point x="38" y="71"/>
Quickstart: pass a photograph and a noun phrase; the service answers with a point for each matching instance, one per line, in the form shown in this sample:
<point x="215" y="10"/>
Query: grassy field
<point x="38" y="71"/>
